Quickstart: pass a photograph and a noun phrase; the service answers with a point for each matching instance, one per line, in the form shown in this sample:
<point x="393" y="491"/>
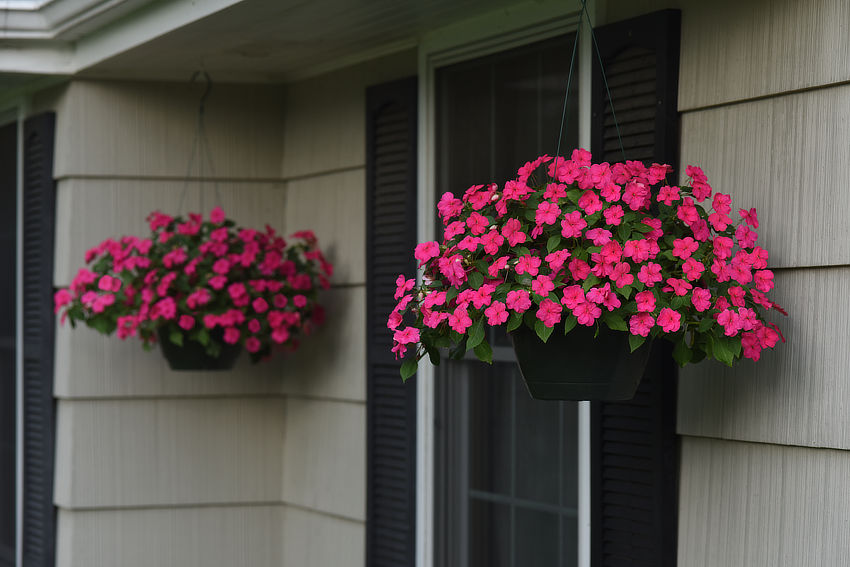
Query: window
<point x="506" y="465"/>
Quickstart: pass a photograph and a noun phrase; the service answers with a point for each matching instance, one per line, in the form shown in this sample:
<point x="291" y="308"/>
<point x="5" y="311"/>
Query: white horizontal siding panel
<point x="141" y="129"/>
<point x="312" y="539"/>
<point x="90" y="210"/>
<point x="334" y="207"/>
<point x="324" y="456"/>
<point x="787" y="156"/>
<point x="178" y="537"/>
<point x="797" y="394"/>
<point x="758" y="505"/>
<point x="325" y="117"/>
<point x="734" y="50"/>
<point x="119" y="453"/>
<point x="331" y="363"/>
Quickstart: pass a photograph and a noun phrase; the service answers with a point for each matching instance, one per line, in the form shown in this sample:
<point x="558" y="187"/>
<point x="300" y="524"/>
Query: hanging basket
<point x="579" y="366"/>
<point x="193" y="356"/>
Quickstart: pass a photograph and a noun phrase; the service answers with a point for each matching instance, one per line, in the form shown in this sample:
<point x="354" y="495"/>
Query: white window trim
<point x="489" y="33"/>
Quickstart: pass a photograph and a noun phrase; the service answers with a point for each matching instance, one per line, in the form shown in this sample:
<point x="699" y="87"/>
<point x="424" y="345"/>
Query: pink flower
<point x="452" y="268"/>
<point x="750" y="217"/>
<point x="492" y="241"/>
<point x="426" y="250"/>
<point x="252" y="344"/>
<point x="528" y="265"/>
<point x="231" y="335"/>
<point x="573" y="295"/>
<point x="547" y="213"/>
<point x="210" y="320"/>
<point x="684" y="247"/>
<point x="254" y="325"/>
<point x="557" y="259"/>
<point x="572" y="225"/>
<point x="260" y="305"/>
<point x="108" y="283"/>
<point x="587" y="313"/>
<point x="621" y="274"/>
<point x="449" y="206"/>
<point x="645" y="301"/>
<point x="693" y="269"/>
<point x="728" y="319"/>
<point x="221" y="266"/>
<point x="746" y="238"/>
<point x="579" y="269"/>
<point x="217" y="215"/>
<point x="701" y="298"/>
<point x="406" y="336"/>
<point x="613" y="215"/>
<point x="542" y="285"/>
<point x="513" y="232"/>
<point x="186" y="322"/>
<point x="603" y="296"/>
<point x="763" y="280"/>
<point x="101" y="302"/>
<point x="667" y="195"/>
<point x="598" y="236"/>
<point x="459" y="320"/>
<point x="454" y="229"/>
<point x="590" y="202"/>
<point x="496" y="313"/>
<point x="279" y="301"/>
<point x="60" y="299"/>
<point x="403" y="286"/>
<point x="477" y="223"/>
<point x="518" y="300"/>
<point x="549" y="312"/>
<point x="677" y="286"/>
<point x="497" y="266"/>
<point x="469" y="243"/>
<point x="640" y="324"/>
<point x="669" y="320"/>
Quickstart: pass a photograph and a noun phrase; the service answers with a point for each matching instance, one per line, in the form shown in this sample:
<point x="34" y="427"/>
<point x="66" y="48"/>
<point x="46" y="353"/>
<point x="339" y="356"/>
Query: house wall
<point x="765" y="460"/>
<point x="261" y="465"/>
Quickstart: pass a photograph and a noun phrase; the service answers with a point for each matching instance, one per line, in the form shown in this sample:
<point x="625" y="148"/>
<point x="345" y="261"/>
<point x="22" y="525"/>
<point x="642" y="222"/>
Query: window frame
<point x="487" y="34"/>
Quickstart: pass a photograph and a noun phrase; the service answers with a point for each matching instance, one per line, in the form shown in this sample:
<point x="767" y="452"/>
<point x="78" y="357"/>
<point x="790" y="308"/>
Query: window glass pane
<point x="506" y="464"/>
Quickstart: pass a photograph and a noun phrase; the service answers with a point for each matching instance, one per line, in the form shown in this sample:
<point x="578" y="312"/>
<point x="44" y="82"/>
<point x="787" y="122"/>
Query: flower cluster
<point x="204" y="280"/>
<point x="594" y="243"/>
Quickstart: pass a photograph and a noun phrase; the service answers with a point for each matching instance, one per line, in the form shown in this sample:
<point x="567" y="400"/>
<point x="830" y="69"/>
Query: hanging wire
<point x="200" y="144"/>
<point x="583" y="13"/>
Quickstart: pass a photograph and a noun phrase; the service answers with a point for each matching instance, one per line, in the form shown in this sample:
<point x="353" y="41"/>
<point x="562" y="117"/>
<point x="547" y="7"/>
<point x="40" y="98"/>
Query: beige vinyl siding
<point x="262" y="465"/>
<point x="764" y="461"/>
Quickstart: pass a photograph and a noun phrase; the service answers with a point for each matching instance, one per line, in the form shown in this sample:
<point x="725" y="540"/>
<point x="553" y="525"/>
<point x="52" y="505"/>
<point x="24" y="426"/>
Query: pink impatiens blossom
<point x="604" y="296"/>
<point x="497" y="266"/>
<point x="750" y="217"/>
<point x="469" y="243"/>
<point x="217" y="215"/>
<point x="549" y="312"/>
<point x="492" y="240"/>
<point x="459" y="320"/>
<point x="746" y="238"/>
<point x="425" y="251"/>
<point x="677" y="286"/>
<point x="572" y="296"/>
<point x="621" y="274"/>
<point x="590" y="203"/>
<point x="477" y="223"/>
<point x="693" y="269"/>
<point x="598" y="236"/>
<point x="613" y="215"/>
<point x="512" y="230"/>
<point x="668" y="195"/>
<point x="449" y="206"/>
<point x="557" y="259"/>
<point x="186" y="322"/>
<point x="579" y="269"/>
<point x="454" y="229"/>
<point x="701" y="299"/>
<point x="528" y="265"/>
<point x="406" y="336"/>
<point x="763" y="280"/>
<point x="640" y="324"/>
<point x="572" y="225"/>
<point x="587" y="313"/>
<point x="669" y="320"/>
<point x="496" y="313"/>
<point x="547" y="213"/>
<point x="684" y="247"/>
<point x="518" y="300"/>
<point x="542" y="285"/>
<point x="645" y="301"/>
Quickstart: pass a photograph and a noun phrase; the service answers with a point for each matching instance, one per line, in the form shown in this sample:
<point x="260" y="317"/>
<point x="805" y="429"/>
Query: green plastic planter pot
<point x="579" y="366"/>
<point x="193" y="356"/>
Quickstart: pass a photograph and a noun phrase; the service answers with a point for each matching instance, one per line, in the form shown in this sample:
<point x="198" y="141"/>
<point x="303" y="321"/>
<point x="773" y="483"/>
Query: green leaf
<point x="723" y="350"/>
<point x="459" y="350"/>
<point x="514" y="321"/>
<point x="434" y="356"/>
<point x="530" y="214"/>
<point x="624" y="231"/>
<point x="451" y="293"/>
<point x="176" y="337"/>
<point x="408" y="368"/>
<point x="635" y="341"/>
<point x="484" y="352"/>
<point x="625" y="291"/>
<point x="640" y="227"/>
<point x="615" y="321"/>
<point x="679" y="301"/>
<point x="589" y="282"/>
<point x="705" y="324"/>
<point x="574" y="195"/>
<point x="682" y="353"/>
<point x="570" y="323"/>
<point x="476" y="334"/>
<point x="476" y="279"/>
<point x="543" y="332"/>
<point x="553" y="242"/>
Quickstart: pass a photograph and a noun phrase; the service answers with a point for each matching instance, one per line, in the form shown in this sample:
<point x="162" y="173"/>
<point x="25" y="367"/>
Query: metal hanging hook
<point x="206" y="77"/>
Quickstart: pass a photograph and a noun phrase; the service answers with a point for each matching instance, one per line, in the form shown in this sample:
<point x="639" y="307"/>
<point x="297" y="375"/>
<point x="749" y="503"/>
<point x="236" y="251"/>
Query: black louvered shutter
<point x="391" y="405"/>
<point x="38" y="329"/>
<point x="634" y="449"/>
